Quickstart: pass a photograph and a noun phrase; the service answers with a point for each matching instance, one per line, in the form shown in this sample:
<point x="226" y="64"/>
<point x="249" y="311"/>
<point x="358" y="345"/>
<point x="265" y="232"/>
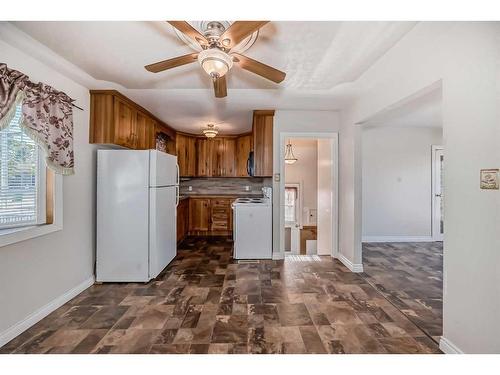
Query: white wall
<point x="305" y="172"/>
<point x="35" y="272"/>
<point x="464" y="57"/>
<point x="291" y="121"/>
<point x="397" y="189"/>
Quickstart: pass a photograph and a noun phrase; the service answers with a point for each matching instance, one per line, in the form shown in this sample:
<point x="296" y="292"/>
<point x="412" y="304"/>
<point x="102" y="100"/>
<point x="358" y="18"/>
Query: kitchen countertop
<point x="220" y="195"/>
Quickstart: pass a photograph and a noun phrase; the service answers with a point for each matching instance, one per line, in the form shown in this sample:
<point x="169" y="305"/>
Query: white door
<point x="162" y="228"/>
<point x="437" y="195"/>
<point x="163" y="169"/>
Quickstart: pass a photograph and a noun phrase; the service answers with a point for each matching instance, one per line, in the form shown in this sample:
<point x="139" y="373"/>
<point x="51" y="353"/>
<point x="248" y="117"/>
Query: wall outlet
<point x="247" y="188"/>
<point x="190" y="188"/>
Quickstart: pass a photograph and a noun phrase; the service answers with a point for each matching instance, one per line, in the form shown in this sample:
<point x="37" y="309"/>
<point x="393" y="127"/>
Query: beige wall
<point x="36" y="272"/>
<point x="305" y="172"/>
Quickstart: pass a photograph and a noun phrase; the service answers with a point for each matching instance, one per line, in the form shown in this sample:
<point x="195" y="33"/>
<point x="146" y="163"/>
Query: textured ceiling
<point x="321" y="60"/>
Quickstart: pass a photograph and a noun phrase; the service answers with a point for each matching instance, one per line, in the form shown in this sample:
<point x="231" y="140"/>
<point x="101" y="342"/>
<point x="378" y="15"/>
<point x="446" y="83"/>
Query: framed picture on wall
<point x="489" y="179"/>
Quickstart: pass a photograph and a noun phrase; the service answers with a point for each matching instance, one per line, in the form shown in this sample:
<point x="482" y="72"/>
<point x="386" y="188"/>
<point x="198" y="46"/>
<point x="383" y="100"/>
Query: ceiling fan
<point x="215" y="56"/>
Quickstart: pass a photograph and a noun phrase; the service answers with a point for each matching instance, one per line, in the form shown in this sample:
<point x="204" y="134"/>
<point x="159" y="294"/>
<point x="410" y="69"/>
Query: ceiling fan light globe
<point x="215" y="63"/>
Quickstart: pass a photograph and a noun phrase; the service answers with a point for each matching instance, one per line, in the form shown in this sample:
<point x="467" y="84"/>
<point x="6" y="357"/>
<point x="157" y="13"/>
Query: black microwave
<point x="250" y="164"/>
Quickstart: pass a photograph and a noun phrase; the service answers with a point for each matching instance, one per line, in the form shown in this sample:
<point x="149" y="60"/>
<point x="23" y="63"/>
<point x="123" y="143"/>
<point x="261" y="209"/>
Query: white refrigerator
<point x="137" y="195"/>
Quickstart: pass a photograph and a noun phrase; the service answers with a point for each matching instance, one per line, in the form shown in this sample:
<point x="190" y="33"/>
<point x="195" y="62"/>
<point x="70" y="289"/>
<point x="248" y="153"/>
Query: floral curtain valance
<point x="47" y="116"/>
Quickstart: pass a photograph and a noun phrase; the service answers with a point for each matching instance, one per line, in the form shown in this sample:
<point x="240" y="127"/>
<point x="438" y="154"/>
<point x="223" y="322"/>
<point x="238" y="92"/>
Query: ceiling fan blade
<point x="238" y="31"/>
<point x="172" y="63"/>
<point x="259" y="68"/>
<point x="190" y="31"/>
<point x="220" y="87"/>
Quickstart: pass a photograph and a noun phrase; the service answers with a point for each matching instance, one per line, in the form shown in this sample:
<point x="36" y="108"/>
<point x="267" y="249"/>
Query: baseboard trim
<point x="398" y="239"/>
<point x="353" y="267"/>
<point x="447" y="347"/>
<point x="41" y="313"/>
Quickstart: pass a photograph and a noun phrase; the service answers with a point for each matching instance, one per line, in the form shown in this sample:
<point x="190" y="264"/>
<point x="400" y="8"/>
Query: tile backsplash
<point x="225" y="185"/>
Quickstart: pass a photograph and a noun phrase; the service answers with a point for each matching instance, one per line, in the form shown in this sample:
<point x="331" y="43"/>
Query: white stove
<point x="253" y="227"/>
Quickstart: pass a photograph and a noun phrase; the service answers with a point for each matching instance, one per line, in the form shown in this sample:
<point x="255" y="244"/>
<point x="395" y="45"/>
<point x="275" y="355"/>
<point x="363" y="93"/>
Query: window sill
<point x="14" y="235"/>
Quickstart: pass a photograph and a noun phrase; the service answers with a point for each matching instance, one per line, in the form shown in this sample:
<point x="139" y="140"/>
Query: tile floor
<point x="205" y="302"/>
<point x="410" y="276"/>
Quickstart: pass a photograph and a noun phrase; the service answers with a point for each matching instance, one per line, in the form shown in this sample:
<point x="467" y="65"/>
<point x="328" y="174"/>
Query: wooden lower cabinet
<point x="182" y="219"/>
<point x="210" y="216"/>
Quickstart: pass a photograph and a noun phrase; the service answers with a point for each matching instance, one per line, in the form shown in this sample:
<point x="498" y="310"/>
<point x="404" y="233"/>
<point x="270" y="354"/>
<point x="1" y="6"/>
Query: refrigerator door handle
<point x="177" y="195"/>
<point x="178" y="174"/>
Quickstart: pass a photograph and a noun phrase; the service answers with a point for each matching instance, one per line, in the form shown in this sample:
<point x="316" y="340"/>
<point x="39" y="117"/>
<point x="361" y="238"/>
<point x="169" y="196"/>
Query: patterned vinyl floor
<point x="205" y="302"/>
<point x="410" y="276"/>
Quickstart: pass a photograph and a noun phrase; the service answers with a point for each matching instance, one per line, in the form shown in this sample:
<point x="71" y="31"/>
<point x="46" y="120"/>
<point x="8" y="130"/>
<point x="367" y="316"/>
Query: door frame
<point x="435" y="219"/>
<point x="334" y="137"/>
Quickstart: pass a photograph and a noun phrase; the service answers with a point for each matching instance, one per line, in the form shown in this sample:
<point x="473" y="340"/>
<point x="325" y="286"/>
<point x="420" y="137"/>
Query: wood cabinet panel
<point x="216" y="147"/>
<point x="243" y="148"/>
<point x="203" y="159"/>
<point x="229" y="157"/>
<point x="199" y="214"/>
<point x="186" y="155"/>
<point x="145" y="129"/>
<point x="125" y="117"/>
<point x="182" y="219"/>
<point x="263" y="142"/>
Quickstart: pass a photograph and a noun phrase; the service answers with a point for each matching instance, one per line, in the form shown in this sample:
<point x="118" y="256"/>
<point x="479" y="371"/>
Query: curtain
<point x="47" y="116"/>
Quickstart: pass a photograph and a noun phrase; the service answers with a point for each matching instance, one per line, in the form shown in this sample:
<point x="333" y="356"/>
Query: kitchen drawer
<point x="221" y="202"/>
<point x="220" y="225"/>
<point x="220" y="211"/>
<point x="220" y="217"/>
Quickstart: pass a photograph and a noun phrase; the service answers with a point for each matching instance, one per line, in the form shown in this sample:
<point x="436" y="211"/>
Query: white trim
<point x="334" y="136"/>
<point x="447" y="347"/>
<point x="434" y="179"/>
<point x="353" y="267"/>
<point x="278" y="256"/>
<point x="398" y="239"/>
<point x="22" y="234"/>
<point x="41" y="313"/>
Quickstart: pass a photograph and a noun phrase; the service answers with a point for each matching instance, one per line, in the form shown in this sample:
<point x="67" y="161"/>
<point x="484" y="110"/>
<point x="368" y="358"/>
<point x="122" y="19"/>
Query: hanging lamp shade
<point x="289" y="156"/>
<point x="210" y="131"/>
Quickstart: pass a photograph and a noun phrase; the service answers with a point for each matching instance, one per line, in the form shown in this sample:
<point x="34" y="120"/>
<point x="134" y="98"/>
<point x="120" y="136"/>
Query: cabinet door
<point x="199" y="214"/>
<point x="203" y="160"/>
<point x="182" y="219"/>
<point x="243" y="147"/>
<point x="229" y="157"/>
<point x="145" y="131"/>
<point x="217" y="156"/>
<point x="125" y="119"/>
<point x="263" y="142"/>
<point x="186" y="155"/>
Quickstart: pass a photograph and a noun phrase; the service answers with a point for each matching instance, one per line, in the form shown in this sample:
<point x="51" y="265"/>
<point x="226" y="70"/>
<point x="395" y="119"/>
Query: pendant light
<point x="289" y="156"/>
<point x="210" y="131"/>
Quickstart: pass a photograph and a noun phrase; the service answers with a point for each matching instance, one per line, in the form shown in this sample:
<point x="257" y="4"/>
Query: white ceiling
<point x="321" y="60"/>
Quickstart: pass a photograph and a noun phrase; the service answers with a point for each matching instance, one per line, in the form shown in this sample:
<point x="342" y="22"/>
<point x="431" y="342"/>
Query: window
<point x="291" y="195"/>
<point x="22" y="178"/>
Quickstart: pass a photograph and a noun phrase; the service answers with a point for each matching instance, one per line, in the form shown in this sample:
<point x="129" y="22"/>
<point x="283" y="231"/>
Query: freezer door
<point x="162" y="228"/>
<point x="163" y="169"/>
<point x="122" y="216"/>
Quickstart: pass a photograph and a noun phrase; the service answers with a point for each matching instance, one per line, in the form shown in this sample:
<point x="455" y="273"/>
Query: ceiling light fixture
<point x="289" y="156"/>
<point x="211" y="131"/>
<point x="215" y="62"/>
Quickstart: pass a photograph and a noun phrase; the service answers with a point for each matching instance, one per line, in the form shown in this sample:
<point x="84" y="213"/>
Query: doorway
<point x="308" y="194"/>
<point x="437" y="193"/>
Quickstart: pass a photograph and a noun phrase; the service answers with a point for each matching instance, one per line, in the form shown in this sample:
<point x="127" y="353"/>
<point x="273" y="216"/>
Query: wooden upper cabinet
<point x="217" y="151"/>
<point x="243" y="148"/>
<point x="203" y="160"/>
<point x="263" y="142"/>
<point x="199" y="214"/>
<point x="115" y="119"/>
<point x="186" y="155"/>
<point x="145" y="130"/>
<point x="125" y="124"/>
<point x="229" y="157"/>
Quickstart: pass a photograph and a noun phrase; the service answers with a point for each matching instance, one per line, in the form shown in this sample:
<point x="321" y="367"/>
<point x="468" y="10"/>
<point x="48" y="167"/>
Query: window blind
<point x="290" y="206"/>
<point x="18" y="176"/>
